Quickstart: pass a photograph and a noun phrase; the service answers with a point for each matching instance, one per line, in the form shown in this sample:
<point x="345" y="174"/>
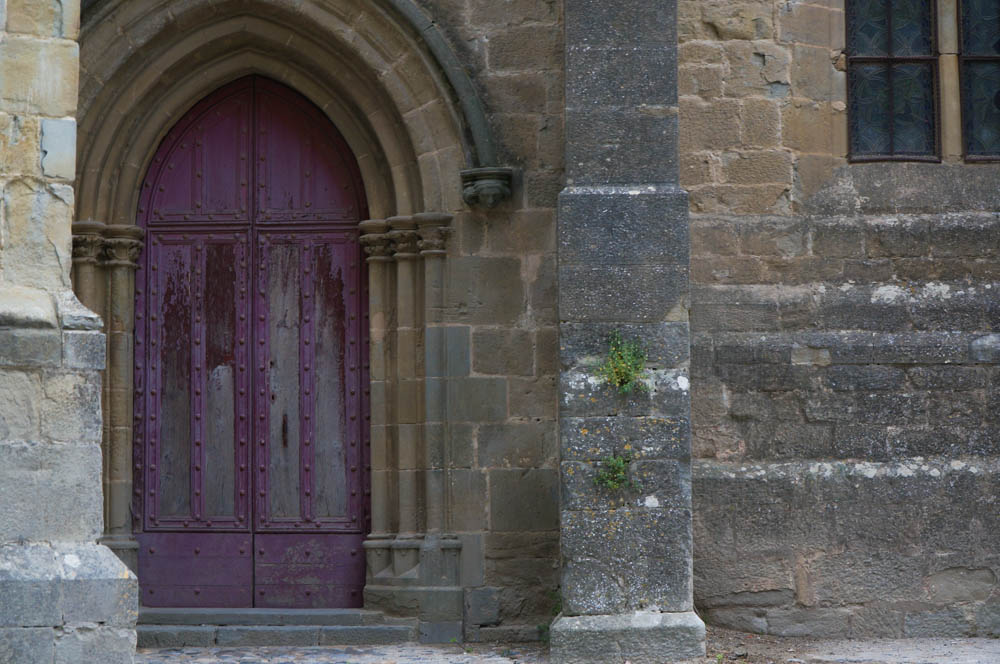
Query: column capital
<point x="375" y="240"/>
<point x="434" y="229"/>
<point x="122" y="245"/>
<point x="404" y="236"/>
<point x="87" y="241"/>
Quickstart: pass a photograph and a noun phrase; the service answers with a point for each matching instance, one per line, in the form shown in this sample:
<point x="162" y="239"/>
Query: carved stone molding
<point x="87" y="241"/>
<point x="404" y="236"/>
<point x="375" y="240"/>
<point x="486" y="187"/>
<point x="122" y="246"/>
<point x="434" y="230"/>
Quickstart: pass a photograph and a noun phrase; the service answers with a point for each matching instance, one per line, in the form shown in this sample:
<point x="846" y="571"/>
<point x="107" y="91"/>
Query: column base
<point x="642" y="637"/>
<point x="418" y="577"/>
<point x="66" y="602"/>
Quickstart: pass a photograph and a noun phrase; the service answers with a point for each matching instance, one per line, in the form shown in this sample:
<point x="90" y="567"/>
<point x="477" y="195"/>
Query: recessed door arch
<point x="251" y="401"/>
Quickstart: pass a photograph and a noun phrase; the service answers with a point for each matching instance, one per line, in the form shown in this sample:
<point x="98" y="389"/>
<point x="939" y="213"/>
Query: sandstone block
<point x="524" y="499"/>
<point x="525" y="48"/>
<point x="760" y="122"/>
<point x="20" y="394"/>
<point x="72" y="406"/>
<point x="38" y="234"/>
<point x="28" y="84"/>
<point x="517" y="445"/>
<point x="502" y="351"/>
<point x="757" y="167"/>
<point x="813" y="75"/>
<point x="20" y="144"/>
<point x="812" y="24"/>
<point x="806" y="126"/>
<point x="39" y="19"/>
<point x="709" y="126"/>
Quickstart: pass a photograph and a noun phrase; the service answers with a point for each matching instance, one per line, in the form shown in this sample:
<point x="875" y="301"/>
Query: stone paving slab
<point x="405" y="654"/>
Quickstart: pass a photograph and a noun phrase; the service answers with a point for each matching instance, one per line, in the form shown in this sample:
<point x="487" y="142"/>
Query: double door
<point x="251" y="373"/>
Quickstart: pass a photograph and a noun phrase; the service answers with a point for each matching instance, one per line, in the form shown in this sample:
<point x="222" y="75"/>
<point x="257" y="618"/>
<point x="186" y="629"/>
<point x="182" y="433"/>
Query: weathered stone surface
<point x="625" y="559"/>
<point x="26" y="645"/>
<point x="642" y="637"/>
<point x="482" y="606"/>
<point x="24" y="307"/>
<point x="524" y="500"/>
<point x="59" y="148"/>
<point x="30" y="348"/>
<point x="64" y="477"/>
<point x="594" y="438"/>
<point x="84" y="350"/>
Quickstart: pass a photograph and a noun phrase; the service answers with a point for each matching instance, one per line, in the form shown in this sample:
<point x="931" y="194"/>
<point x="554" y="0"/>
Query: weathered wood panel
<point x="284" y="293"/>
<point x="330" y="474"/>
<point x="171" y="322"/>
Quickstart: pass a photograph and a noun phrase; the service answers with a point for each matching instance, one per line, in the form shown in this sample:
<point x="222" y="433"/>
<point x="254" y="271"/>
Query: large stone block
<point x="59" y="148"/>
<point x="30" y="347"/>
<point x="637" y="294"/>
<point x="524" y="499"/>
<point x="618" y="147"/>
<point x="37" y="228"/>
<point x="40" y="75"/>
<point x="626" y="559"/>
<point x="594" y="438"/>
<point x="65" y="478"/>
<point x="621" y="75"/>
<point x="623" y="225"/>
<point x="665" y="345"/>
<point x="71" y="406"/>
<point x="25" y="645"/>
<point x="20" y="392"/>
<point x="642" y="637"/>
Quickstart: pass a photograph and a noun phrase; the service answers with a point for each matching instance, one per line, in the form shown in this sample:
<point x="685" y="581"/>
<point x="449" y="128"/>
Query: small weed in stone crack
<point x="624" y="366"/>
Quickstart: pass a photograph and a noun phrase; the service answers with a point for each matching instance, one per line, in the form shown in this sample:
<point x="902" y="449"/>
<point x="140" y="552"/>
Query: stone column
<point x="63" y="597"/>
<point x="88" y="281"/>
<point x="408" y="383"/>
<point x="122" y="247"/>
<point x="433" y="229"/>
<point x="623" y="267"/>
<point x="378" y="248"/>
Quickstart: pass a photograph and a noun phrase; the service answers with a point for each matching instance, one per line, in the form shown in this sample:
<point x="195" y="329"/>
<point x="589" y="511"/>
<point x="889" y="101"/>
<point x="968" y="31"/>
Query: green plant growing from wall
<point x="613" y="473"/>
<point x="624" y="365"/>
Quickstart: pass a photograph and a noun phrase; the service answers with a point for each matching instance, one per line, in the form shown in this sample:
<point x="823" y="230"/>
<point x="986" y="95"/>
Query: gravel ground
<point x="724" y="647"/>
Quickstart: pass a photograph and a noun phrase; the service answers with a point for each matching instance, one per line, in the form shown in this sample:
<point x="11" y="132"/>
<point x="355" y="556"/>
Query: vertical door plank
<point x="284" y="267"/>
<point x="219" y="463"/>
<point x="333" y="361"/>
<point x="173" y="318"/>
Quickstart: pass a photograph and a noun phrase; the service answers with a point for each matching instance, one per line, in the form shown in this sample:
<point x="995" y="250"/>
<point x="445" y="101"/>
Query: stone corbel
<point x="486" y="187"/>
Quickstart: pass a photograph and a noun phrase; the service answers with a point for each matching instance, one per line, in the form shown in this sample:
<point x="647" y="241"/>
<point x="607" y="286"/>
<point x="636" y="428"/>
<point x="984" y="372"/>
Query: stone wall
<point x="65" y="599"/>
<point x="844" y="366"/>
<point x="501" y="309"/>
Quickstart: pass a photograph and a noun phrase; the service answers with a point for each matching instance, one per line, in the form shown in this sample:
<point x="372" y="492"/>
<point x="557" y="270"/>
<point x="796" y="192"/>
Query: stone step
<point x="277" y="617"/>
<point x="177" y="636"/>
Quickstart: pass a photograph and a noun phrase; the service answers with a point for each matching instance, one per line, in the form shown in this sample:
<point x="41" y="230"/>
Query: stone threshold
<point x="179" y="628"/>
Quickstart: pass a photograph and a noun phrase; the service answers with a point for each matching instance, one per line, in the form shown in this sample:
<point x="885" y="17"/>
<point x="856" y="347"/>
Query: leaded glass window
<point x="892" y="80"/>
<point x="980" y="59"/>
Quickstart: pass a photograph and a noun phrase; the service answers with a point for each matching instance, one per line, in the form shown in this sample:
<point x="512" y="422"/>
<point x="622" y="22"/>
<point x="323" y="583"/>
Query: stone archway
<point x="144" y="65"/>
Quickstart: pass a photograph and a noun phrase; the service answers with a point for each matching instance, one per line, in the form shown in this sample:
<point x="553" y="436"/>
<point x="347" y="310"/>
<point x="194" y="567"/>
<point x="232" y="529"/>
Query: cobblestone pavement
<point x="406" y="654"/>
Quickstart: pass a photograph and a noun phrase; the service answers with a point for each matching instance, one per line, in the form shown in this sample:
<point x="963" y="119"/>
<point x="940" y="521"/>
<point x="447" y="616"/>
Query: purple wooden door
<point x="251" y="443"/>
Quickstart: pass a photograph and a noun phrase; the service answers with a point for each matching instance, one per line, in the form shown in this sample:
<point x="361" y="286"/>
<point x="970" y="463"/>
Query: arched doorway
<point x="251" y="383"/>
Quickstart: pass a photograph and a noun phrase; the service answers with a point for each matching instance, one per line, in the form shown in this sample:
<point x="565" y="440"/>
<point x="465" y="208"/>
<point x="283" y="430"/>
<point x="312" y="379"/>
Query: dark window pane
<point x="911" y="27"/>
<point x="869" y="112"/>
<point x="982" y="108"/>
<point x="981" y="27"/>
<point x="868" y="27"/>
<point x="913" y="99"/>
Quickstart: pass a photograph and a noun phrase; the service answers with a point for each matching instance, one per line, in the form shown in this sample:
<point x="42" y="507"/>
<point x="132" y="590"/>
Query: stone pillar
<point x="433" y="229"/>
<point x="623" y="267"/>
<point x="378" y="248"/>
<point x="409" y="402"/>
<point x="63" y="597"/>
<point x="122" y="247"/>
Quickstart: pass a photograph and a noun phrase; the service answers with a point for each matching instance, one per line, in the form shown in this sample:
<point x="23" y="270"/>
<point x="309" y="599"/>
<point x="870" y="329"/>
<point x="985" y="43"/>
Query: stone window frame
<point x="934" y="59"/>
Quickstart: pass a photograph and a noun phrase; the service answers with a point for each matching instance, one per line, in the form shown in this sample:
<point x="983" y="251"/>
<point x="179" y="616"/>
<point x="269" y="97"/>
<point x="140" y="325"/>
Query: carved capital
<point x="375" y="241"/>
<point x="404" y="236"/>
<point x="434" y="230"/>
<point x="122" y="246"/>
<point x="486" y="187"/>
<point x="87" y="241"/>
